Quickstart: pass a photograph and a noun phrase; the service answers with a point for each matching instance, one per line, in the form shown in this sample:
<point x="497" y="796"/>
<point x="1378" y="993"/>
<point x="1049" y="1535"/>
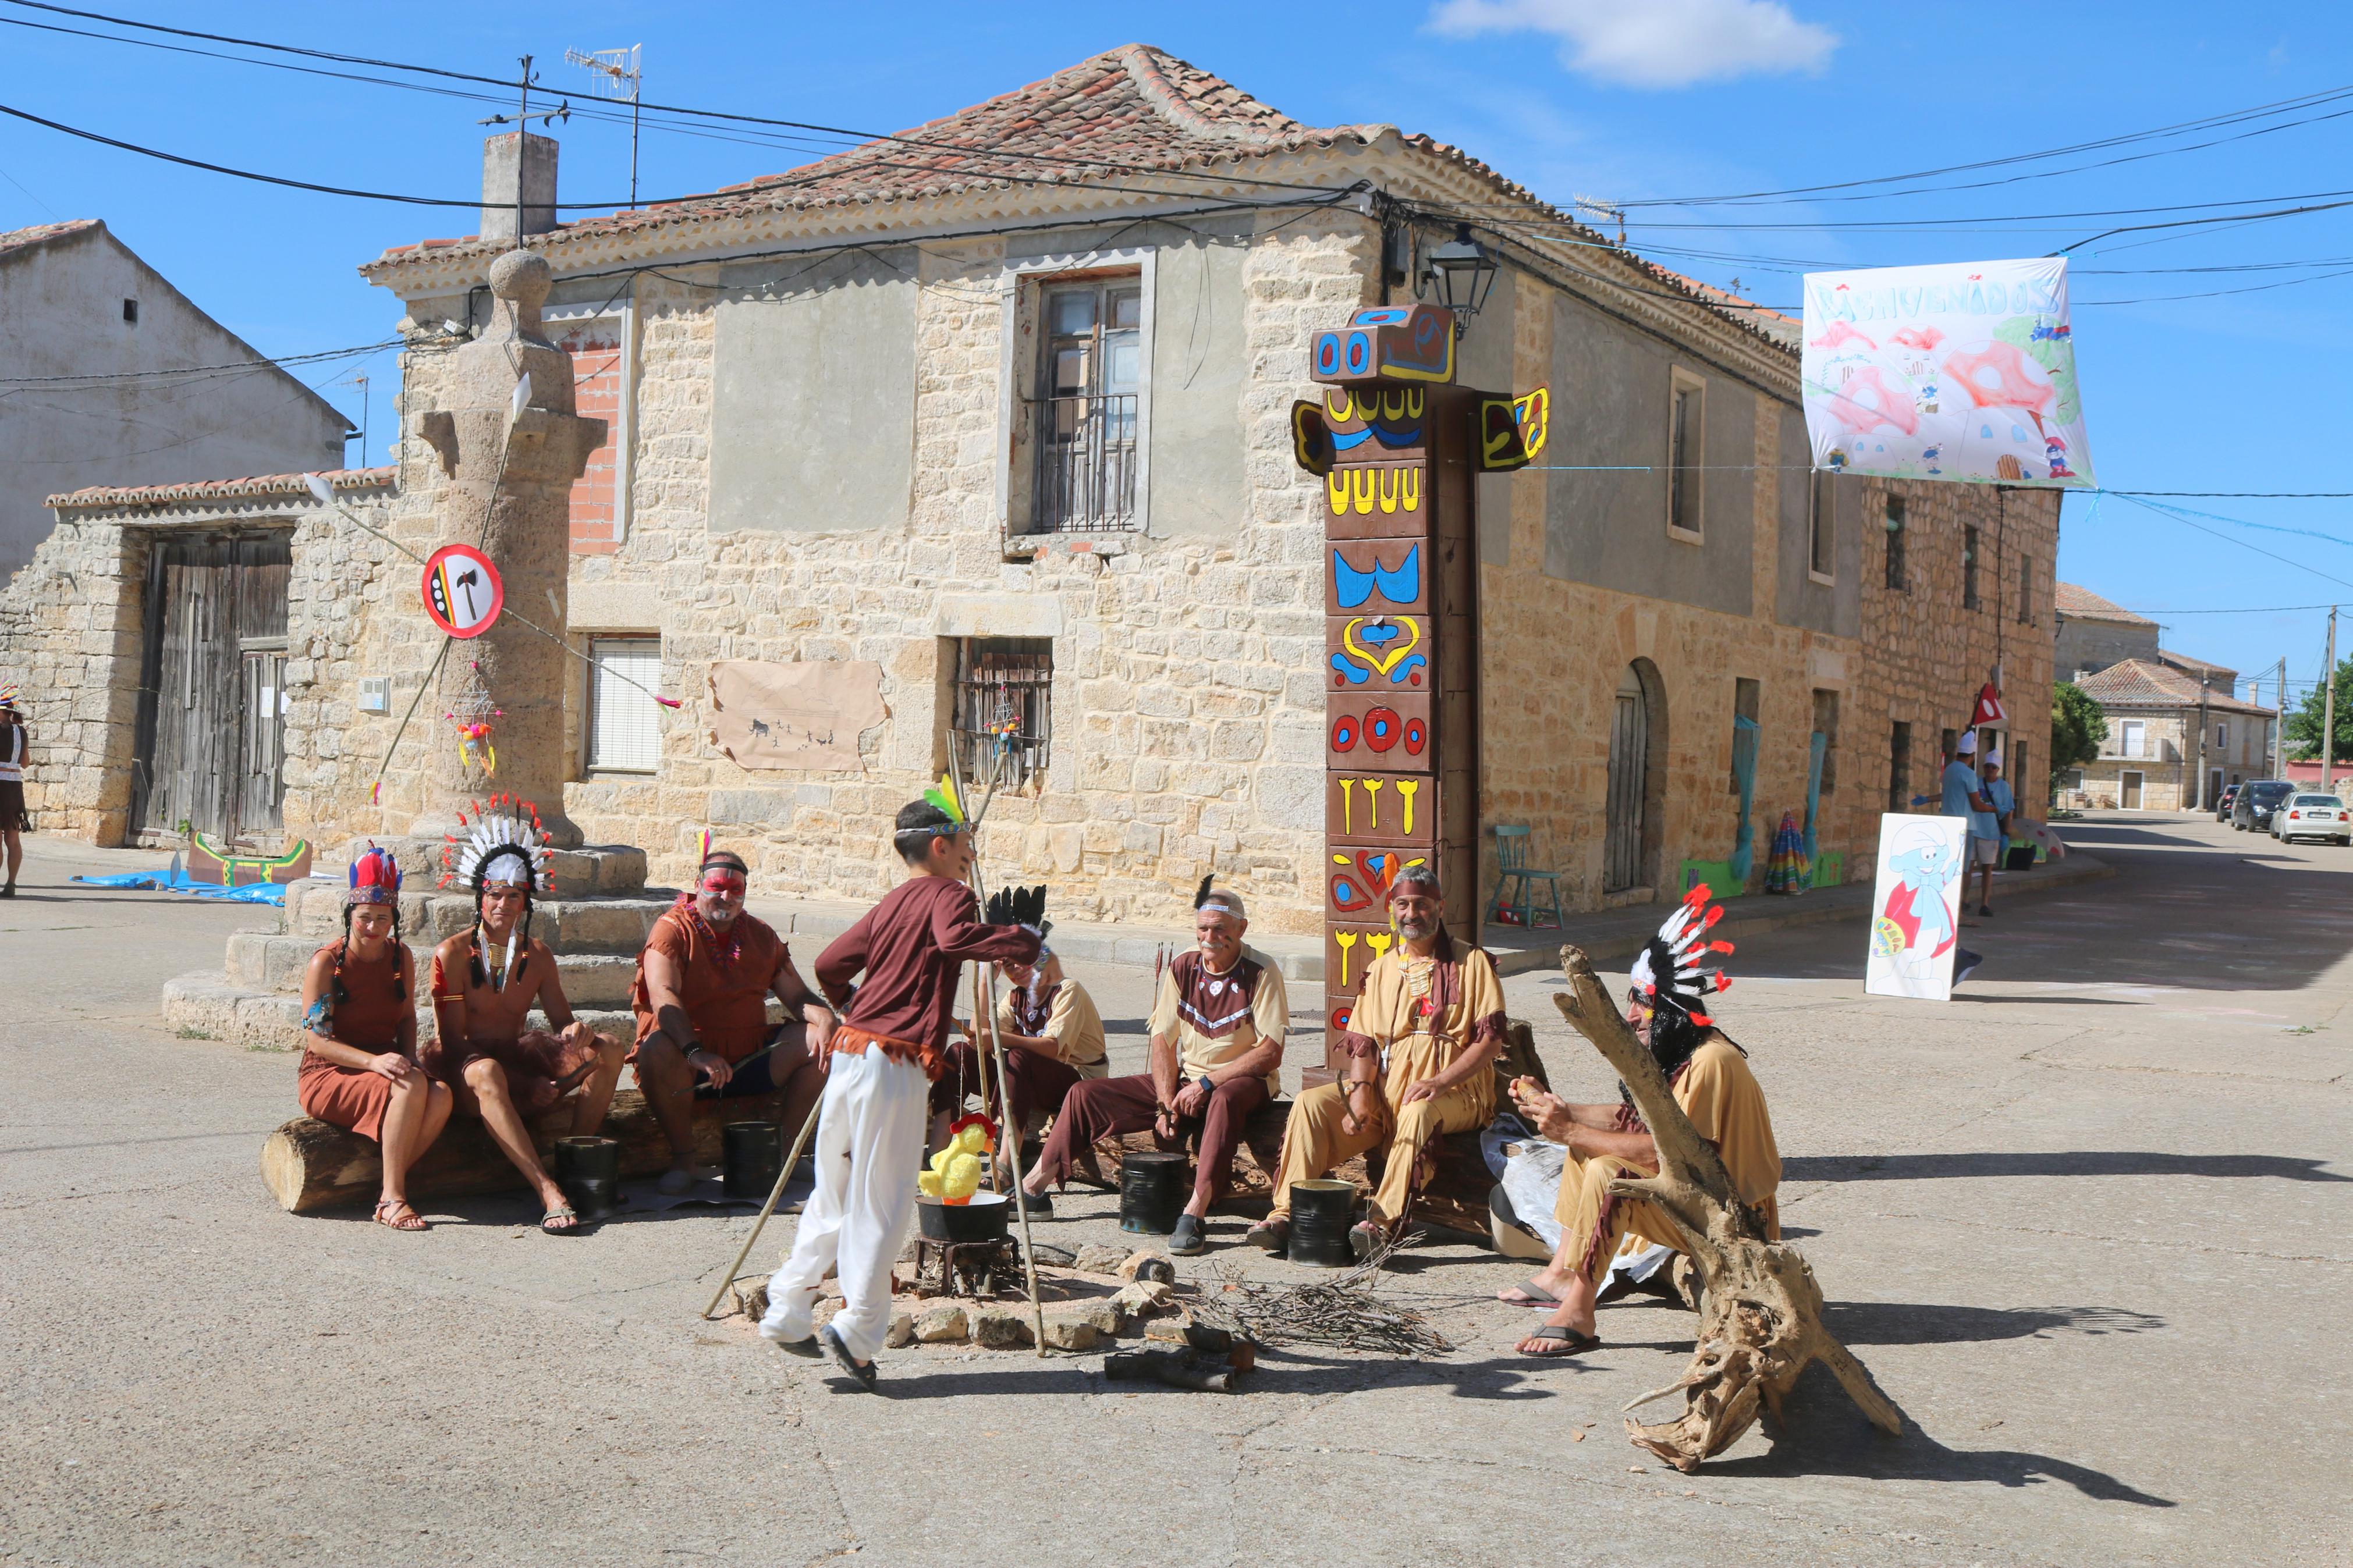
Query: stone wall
<point x="69" y="635"/>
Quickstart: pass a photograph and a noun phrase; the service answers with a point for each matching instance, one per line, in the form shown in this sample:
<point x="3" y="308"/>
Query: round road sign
<point x="462" y="591"/>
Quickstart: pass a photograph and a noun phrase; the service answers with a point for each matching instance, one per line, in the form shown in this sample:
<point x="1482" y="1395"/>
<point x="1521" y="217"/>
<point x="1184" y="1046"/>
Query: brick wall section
<point x="597" y="362"/>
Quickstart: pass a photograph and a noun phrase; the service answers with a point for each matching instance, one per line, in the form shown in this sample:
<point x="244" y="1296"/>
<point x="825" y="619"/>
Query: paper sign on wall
<point x="803" y="715"/>
<point x="1959" y="371"/>
<point x="1915" y="909"/>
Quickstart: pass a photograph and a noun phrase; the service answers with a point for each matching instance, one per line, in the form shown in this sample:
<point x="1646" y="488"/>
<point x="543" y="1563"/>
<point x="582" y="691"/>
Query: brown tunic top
<point x="726" y="996"/>
<point x="912" y="947"/>
<point x="369" y="1018"/>
<point x="1213" y="1017"/>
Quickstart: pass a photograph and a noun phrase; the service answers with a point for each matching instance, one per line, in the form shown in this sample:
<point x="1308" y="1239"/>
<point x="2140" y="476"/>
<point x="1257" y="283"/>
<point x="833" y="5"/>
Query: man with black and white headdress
<point x="1709" y="1076"/>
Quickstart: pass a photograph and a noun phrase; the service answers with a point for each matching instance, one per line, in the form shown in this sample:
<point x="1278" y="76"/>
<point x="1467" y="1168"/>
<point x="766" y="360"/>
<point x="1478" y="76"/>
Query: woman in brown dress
<point x="359" y="1046"/>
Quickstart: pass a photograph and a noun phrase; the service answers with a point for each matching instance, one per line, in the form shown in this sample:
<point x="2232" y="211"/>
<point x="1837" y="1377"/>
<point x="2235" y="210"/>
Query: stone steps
<point x="616" y="924"/>
<point x="268" y="961"/>
<point x="205" y="1006"/>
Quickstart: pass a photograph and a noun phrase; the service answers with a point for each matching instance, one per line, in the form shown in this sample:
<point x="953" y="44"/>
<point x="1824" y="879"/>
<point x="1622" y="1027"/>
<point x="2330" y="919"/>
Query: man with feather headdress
<point x="1709" y="1076"/>
<point x="486" y="981"/>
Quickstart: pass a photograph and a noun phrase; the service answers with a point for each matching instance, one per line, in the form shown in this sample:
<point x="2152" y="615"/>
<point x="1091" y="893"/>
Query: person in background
<point x="1053" y="1038"/>
<point x="15" y="741"/>
<point x="1964" y="796"/>
<point x="2005" y="807"/>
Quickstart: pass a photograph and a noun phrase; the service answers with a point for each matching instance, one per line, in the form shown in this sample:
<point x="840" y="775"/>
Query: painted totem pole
<point x="1398" y="444"/>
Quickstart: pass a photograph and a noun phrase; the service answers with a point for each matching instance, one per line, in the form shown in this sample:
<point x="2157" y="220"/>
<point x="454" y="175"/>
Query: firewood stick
<point x="809" y="1125"/>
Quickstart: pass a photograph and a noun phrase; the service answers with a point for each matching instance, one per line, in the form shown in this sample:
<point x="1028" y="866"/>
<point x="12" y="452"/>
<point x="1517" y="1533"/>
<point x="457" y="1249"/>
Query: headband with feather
<point x="507" y="830"/>
<point x="1681" y="965"/>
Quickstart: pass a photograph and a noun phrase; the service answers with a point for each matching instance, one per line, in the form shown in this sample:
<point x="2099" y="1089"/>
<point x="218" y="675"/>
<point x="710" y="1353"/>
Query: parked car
<point x="2256" y="803"/>
<point x="2223" y="803"/>
<point x="2307" y="815"/>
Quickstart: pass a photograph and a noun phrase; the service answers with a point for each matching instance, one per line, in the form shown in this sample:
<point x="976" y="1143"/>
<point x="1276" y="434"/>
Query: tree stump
<point x="1761" y="1317"/>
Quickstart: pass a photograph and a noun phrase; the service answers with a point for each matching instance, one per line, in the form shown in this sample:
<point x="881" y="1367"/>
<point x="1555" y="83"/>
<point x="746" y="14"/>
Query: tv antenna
<point x="616" y="76"/>
<point x="1607" y="212"/>
<point x="521" y="120"/>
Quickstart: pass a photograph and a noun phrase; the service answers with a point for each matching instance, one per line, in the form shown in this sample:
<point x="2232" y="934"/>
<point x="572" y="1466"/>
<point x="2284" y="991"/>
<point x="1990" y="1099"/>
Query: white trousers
<point x="869" y="1149"/>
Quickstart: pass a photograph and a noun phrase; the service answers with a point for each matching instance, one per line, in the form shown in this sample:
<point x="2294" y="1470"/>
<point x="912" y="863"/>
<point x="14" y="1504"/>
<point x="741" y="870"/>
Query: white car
<point x="2312" y="817"/>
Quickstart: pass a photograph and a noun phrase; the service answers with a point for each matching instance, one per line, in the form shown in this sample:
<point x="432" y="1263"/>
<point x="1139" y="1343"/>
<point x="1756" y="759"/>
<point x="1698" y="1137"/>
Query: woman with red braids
<point x="359" y="1042"/>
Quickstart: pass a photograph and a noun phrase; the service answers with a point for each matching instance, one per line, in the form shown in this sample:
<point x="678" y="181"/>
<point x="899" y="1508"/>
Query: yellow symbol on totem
<point x="1348" y="805"/>
<point x="1535" y="412"/>
<point x="1404" y="403"/>
<point x="1379" y="941"/>
<point x="1373" y="794"/>
<point x="1382" y="663"/>
<point x="1405" y="789"/>
<point x="1886" y="937"/>
<point x="1360" y="490"/>
<point x="1347" y="939"/>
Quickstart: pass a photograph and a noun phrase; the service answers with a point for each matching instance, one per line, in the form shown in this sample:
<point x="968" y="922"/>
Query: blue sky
<point x="1630" y="99"/>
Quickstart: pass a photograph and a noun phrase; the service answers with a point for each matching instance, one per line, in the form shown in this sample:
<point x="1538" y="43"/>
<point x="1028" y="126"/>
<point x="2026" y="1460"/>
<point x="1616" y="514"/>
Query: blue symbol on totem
<point x="1357" y="662"/>
<point x="1359" y="354"/>
<point x="1400" y="585"/>
<point x="1393" y="317"/>
<point x="1327" y="353"/>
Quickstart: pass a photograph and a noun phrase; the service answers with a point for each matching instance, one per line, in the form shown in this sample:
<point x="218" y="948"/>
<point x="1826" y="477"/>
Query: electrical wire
<point x="281" y="361"/>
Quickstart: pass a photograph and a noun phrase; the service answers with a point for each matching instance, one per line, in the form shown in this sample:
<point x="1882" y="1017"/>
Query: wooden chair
<point x="1511" y="845"/>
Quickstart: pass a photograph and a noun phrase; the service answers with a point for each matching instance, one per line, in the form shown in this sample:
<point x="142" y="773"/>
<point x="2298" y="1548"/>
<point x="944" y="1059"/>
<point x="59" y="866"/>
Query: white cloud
<point x="1654" y="43"/>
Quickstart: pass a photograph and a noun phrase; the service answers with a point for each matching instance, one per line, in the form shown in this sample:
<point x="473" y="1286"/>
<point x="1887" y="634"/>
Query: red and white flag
<point x="1990" y="709"/>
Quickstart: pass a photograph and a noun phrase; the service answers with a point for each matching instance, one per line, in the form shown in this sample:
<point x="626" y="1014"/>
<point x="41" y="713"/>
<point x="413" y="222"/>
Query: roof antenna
<point x="618" y="75"/>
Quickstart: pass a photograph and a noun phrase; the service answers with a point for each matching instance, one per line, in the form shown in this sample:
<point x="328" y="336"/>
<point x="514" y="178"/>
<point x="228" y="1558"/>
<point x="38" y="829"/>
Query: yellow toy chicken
<point x="956" y="1169"/>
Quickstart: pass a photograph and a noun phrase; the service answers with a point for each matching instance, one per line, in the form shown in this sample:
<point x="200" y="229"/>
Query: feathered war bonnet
<point x="502" y="843"/>
<point x="1682" y="966"/>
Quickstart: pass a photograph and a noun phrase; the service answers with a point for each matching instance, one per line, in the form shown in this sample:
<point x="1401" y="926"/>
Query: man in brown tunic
<point x="485" y="983"/>
<point x="701" y="1000"/>
<point x="1217" y="1056"/>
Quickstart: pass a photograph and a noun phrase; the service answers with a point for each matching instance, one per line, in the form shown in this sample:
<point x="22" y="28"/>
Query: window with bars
<point x="1000" y="715"/>
<point x="1089" y="378"/>
<point x="624" y="730"/>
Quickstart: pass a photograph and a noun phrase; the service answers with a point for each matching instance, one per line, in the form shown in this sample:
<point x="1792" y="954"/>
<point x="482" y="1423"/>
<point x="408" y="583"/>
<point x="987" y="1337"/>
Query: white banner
<point x="1963" y="372"/>
<point x="1916" y="909"/>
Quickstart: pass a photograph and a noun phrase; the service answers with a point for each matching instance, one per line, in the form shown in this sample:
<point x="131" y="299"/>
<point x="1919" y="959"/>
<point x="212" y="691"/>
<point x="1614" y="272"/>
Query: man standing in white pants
<point x="882" y="1061"/>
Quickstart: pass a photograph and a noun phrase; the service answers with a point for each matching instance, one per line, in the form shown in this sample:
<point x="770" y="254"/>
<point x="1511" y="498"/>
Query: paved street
<point x="2087" y="1224"/>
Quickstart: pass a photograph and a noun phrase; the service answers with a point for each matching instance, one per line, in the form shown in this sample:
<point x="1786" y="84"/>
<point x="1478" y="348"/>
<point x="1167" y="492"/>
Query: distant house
<point x="111" y="376"/>
<point x="2173" y="741"/>
<point x="2092" y="634"/>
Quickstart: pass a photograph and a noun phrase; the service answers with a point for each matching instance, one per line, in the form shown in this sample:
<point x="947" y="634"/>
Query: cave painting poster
<point x="1964" y="372"/>
<point x="1915" y="909"/>
<point x="802" y="716"/>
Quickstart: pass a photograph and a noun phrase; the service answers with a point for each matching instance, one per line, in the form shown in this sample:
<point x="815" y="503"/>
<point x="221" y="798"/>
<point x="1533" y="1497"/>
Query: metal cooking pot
<point x="981" y="1219"/>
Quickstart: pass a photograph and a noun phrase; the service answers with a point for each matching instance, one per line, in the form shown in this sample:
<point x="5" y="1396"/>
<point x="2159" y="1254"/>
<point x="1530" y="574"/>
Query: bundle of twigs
<point x="1340" y="1313"/>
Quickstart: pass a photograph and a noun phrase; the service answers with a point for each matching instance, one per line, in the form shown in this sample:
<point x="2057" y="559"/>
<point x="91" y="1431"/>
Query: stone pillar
<point x="511" y="476"/>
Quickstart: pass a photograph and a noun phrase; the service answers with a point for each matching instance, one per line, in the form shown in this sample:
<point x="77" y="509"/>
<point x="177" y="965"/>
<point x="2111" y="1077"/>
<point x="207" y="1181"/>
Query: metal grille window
<point x="1092" y="343"/>
<point x="1002" y="711"/>
<point x="624" y="722"/>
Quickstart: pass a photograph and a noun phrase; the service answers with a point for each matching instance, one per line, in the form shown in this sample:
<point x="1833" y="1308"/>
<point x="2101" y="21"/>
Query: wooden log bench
<point x="309" y="1164"/>
<point x="1456" y="1197"/>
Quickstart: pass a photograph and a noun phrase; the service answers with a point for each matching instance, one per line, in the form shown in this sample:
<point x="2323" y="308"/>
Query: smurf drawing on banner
<point x="1962" y="372"/>
<point x="1915" y="909"/>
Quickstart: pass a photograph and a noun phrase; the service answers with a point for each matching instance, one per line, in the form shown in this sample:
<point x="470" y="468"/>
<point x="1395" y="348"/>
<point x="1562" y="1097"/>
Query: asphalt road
<point x="2087" y="1224"/>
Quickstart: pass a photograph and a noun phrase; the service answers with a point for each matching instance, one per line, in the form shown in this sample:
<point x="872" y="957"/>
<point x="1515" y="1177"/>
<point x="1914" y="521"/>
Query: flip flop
<point x="1531" y="1294"/>
<point x="1570" y="1342"/>
<point x="562" y="1211"/>
<point x="862" y="1375"/>
<point x="394" y="1223"/>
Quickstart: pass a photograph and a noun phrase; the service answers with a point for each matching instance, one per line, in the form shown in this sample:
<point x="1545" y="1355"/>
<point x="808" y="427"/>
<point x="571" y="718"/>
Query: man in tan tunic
<point x="1709" y="1077"/>
<point x="1053" y="1037"/>
<point x="1421" y="1042"/>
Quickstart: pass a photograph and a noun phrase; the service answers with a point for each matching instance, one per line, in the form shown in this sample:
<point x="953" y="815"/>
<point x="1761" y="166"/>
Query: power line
<point x="321" y="356"/>
<point x="2176" y="513"/>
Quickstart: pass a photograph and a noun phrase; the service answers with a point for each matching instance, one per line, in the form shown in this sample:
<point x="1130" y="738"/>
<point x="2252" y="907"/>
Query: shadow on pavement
<point x="2062" y="1162"/>
<point x="1825" y="1435"/>
<point x="1924" y="1323"/>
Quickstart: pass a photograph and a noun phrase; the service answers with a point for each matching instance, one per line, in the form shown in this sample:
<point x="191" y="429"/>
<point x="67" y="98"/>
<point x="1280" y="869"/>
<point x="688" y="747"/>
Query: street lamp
<point x="1463" y="273"/>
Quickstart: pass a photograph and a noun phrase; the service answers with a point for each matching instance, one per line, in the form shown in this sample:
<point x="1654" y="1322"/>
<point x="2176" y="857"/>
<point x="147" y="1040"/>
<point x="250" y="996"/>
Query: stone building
<point x="995" y="417"/>
<point x="114" y="377"/>
<point x="2173" y="742"/>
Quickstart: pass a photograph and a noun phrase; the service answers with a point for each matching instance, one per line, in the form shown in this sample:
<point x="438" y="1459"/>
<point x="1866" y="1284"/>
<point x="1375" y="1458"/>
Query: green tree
<point x="2077" y="727"/>
<point x="2301" y="729"/>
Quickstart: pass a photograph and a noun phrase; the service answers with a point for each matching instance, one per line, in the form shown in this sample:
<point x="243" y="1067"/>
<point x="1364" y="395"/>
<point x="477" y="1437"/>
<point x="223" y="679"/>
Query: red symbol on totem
<point x="1344" y="733"/>
<point x="1361" y="883"/>
<point x="1343" y="1015"/>
<point x="1382" y="728"/>
<point x="1417" y="736"/>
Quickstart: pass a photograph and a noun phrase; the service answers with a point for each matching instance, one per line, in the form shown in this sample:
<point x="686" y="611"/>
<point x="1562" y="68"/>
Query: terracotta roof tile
<point x="2085" y="605"/>
<point x="42" y="233"/>
<point x="221" y="490"/>
<point x="2137" y="683"/>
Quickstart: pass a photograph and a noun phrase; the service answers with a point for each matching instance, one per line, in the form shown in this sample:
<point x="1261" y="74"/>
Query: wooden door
<point x="2131" y="794"/>
<point x="211" y="726"/>
<point x="1629" y="758"/>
